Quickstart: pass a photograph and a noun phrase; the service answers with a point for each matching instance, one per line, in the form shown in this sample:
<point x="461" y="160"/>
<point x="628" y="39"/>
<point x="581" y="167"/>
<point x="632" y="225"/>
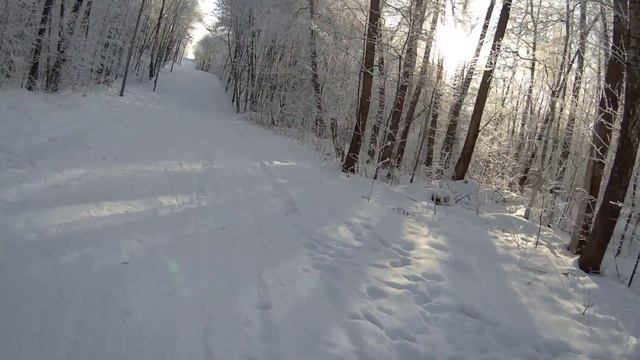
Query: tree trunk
<point x="456" y="107"/>
<point x="435" y="114"/>
<point x="422" y="79"/>
<point x="632" y="209"/>
<point x="625" y="157"/>
<point x="528" y="113"/>
<point x="633" y="273"/>
<point x="601" y="133"/>
<point x="154" y="47"/>
<point x="63" y="44"/>
<point x="483" y="92"/>
<point x="575" y="96"/>
<point x="373" y="28"/>
<point x="431" y="121"/>
<point x="131" y="47"/>
<point x="318" y="124"/>
<point x="162" y="56"/>
<point x="45" y="21"/>
<point x="558" y="86"/>
<point x="544" y="137"/>
<point x="379" y="119"/>
<point x="408" y="68"/>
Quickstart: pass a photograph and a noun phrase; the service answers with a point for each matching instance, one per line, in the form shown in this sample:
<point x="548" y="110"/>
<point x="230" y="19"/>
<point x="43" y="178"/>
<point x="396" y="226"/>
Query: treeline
<point x="546" y="107"/>
<point x="51" y="45"/>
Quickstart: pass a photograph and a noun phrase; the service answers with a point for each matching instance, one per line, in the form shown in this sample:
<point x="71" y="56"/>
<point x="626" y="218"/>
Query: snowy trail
<point x="166" y="227"/>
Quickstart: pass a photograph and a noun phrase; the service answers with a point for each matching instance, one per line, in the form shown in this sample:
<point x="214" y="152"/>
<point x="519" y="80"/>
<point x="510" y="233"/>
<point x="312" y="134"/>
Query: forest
<point x="53" y="45"/>
<point x="545" y="106"/>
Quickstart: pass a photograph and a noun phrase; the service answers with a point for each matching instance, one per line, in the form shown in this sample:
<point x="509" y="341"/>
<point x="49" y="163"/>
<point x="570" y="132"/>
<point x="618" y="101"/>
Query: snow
<point x="164" y="226"/>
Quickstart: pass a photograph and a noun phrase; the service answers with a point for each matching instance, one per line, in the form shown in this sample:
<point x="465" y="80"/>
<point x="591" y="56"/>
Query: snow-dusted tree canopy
<point x="546" y="77"/>
<point x="258" y="43"/>
<point x="59" y="44"/>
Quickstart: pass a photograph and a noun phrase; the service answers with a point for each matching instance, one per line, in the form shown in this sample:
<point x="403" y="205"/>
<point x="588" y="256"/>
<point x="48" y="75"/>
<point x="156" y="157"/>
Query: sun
<point x="456" y="39"/>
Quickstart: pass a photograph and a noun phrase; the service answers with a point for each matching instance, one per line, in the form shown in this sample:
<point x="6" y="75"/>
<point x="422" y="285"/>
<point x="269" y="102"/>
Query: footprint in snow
<point x="376" y="293"/>
<point x="379" y="266"/>
<point x="434" y="308"/>
<point x="400" y="334"/>
<point x="371" y="318"/>
<point x="414" y="278"/>
<point x="402" y="262"/>
<point x="433" y="276"/>
<point x="400" y="252"/>
<point x="438" y="246"/>
<point x="382" y="241"/>
<point x="421" y="298"/>
<point x="354" y="315"/>
<point x="408" y="246"/>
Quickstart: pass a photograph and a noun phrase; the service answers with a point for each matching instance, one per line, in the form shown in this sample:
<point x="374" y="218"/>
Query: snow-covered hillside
<point x="164" y="226"/>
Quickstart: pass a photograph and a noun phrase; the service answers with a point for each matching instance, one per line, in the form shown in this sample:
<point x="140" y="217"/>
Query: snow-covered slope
<point x="163" y="226"/>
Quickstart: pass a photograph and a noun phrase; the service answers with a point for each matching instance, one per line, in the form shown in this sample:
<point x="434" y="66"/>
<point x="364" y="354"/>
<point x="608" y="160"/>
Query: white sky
<point x="455" y="43"/>
<point x="206" y="8"/>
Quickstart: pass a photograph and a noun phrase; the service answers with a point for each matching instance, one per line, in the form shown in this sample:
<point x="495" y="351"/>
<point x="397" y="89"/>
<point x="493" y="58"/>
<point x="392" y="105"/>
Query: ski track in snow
<point x="164" y="226"/>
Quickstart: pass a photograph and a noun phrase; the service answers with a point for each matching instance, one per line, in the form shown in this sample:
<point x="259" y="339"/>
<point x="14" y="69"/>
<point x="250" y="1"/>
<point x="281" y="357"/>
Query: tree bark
<point x="382" y="97"/>
<point x="373" y="28"/>
<point x="462" y="166"/>
<point x="575" y="96"/>
<point x="45" y="21"/>
<point x="422" y="79"/>
<point x="131" y="47"/>
<point x="528" y="113"/>
<point x="152" y="60"/>
<point x="408" y="68"/>
<point x="318" y="124"/>
<point x="557" y="88"/>
<point x="63" y="44"/>
<point x="601" y="133"/>
<point x="632" y="209"/>
<point x="435" y="114"/>
<point x="625" y="157"/>
<point x="454" y="113"/>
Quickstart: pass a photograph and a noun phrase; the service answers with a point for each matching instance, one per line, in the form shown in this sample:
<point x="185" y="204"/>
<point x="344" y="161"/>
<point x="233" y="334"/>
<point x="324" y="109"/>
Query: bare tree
<point x="456" y="108"/>
<point x="625" y="157"/>
<point x="45" y="22"/>
<point x="474" y="125"/>
<point x="422" y="79"/>
<point x="601" y="133"/>
<point x="318" y="125"/>
<point x="130" y="51"/>
<point x="435" y="114"/>
<point x="156" y="39"/>
<point x="373" y="28"/>
<point x="575" y="96"/>
<point x="382" y="97"/>
<point x="408" y="67"/>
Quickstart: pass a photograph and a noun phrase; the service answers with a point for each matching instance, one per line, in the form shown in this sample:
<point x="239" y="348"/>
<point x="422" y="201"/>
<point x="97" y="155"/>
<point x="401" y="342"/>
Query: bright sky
<point x="206" y="7"/>
<point x="455" y="43"/>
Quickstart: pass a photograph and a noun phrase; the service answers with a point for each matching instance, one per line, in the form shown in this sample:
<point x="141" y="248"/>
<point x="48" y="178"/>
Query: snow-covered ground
<point x="164" y="226"/>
